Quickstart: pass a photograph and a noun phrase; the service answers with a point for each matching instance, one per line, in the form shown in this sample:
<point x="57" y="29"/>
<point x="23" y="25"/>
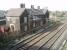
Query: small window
<point x="25" y="19"/>
<point x="34" y="17"/>
<point x="8" y="18"/>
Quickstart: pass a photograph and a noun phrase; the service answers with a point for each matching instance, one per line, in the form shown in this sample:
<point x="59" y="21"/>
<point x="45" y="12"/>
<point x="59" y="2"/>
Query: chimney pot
<point x="32" y="6"/>
<point x="38" y="7"/>
<point x="22" y="5"/>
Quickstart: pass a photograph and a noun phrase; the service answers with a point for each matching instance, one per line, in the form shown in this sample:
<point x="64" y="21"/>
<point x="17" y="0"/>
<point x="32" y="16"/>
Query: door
<point x="12" y="27"/>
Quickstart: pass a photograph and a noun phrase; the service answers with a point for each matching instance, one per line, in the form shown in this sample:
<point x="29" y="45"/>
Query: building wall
<point x="35" y="21"/>
<point x="24" y="22"/>
<point x="13" y="21"/>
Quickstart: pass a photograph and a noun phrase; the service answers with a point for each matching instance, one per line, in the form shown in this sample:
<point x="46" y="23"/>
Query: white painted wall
<point x="15" y="21"/>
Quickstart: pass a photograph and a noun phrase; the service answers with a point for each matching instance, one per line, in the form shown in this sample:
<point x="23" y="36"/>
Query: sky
<point x="52" y="5"/>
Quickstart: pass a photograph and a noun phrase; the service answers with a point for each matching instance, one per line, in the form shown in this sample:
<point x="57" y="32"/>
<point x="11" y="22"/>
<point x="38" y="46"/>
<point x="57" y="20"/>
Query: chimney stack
<point x="22" y="5"/>
<point x="38" y="7"/>
<point x="32" y="6"/>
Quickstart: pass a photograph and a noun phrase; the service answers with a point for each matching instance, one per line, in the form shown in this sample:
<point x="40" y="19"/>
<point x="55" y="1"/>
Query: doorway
<point x="12" y="27"/>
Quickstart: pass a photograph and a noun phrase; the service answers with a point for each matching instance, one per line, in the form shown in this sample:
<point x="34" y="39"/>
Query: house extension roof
<point x="15" y="12"/>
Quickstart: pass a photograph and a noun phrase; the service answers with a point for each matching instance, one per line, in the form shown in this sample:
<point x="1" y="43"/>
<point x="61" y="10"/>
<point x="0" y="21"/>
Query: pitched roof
<point x="19" y="11"/>
<point x="36" y="11"/>
<point x="15" y="12"/>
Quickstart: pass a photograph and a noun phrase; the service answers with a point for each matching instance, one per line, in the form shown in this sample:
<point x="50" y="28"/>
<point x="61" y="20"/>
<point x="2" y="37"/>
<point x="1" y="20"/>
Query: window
<point x="41" y="23"/>
<point x="10" y="20"/>
<point x="34" y="24"/>
<point x="36" y="18"/>
<point x="25" y="28"/>
<point x="25" y="19"/>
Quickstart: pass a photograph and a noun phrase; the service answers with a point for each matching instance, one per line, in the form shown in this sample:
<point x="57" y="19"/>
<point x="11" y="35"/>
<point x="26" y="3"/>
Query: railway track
<point x="47" y="42"/>
<point x="39" y="40"/>
<point x="25" y="43"/>
<point x="29" y="43"/>
<point x="29" y="38"/>
<point x="44" y="44"/>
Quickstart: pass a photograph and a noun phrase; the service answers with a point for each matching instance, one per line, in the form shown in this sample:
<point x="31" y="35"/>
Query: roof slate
<point x="19" y="11"/>
<point x="15" y="12"/>
<point x="36" y="11"/>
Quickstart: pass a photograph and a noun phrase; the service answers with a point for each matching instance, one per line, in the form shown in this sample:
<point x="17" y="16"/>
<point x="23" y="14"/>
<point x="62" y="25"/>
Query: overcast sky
<point x="51" y="4"/>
